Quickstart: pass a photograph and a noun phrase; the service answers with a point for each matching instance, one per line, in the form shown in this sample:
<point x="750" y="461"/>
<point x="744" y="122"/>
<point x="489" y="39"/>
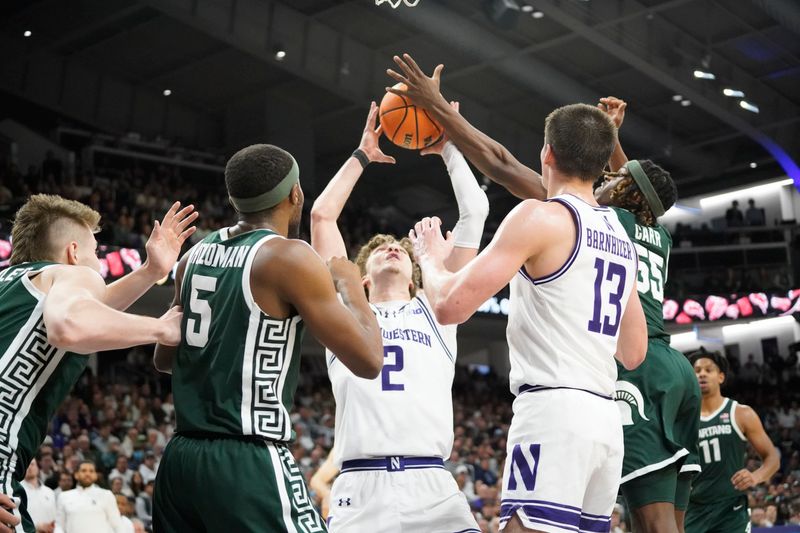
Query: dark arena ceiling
<point x="106" y="63"/>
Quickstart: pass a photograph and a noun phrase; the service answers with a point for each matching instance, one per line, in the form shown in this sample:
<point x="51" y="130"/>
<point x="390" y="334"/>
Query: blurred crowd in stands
<point x="130" y="197"/>
<point x="123" y="420"/>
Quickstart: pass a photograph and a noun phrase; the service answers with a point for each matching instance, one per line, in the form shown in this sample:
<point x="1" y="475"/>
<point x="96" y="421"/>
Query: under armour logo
<point x="344" y="502"/>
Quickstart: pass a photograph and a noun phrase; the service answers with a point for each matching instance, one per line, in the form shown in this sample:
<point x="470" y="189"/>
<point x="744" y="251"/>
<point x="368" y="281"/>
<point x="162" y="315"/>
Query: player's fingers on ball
<point x="399" y="92"/>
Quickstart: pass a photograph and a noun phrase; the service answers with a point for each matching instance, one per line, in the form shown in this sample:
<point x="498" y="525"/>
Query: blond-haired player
<point x="393" y="432"/>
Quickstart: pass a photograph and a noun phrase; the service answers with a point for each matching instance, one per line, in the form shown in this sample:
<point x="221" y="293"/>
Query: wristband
<point x="361" y="157"/>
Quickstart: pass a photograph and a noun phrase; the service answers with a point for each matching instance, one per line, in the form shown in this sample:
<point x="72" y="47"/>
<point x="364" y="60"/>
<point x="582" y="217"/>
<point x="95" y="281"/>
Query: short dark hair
<point x="720" y="360"/>
<point x="582" y="139"/>
<point x="256" y="169"/>
<point x="87" y="462"/>
<point x="628" y="195"/>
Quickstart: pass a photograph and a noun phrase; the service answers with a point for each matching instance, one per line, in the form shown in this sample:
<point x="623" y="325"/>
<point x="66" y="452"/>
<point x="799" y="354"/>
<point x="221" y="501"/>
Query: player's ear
<point x="297" y="194"/>
<point x="72" y="253"/>
<point x="548" y="156"/>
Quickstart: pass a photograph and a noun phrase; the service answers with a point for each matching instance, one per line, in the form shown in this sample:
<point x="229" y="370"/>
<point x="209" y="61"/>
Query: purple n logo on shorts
<point x="520" y="462"/>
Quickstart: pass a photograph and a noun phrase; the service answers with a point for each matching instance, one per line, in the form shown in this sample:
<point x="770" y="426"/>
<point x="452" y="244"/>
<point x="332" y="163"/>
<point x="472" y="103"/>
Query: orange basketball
<point x="405" y="124"/>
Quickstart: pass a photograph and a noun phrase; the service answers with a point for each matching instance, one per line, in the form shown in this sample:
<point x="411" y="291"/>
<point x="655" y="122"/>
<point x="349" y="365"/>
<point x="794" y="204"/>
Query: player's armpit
<point x="351" y="333"/>
<point x="632" y="341"/>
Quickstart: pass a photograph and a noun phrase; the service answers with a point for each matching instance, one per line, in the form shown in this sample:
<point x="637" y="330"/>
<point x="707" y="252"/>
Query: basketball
<point x="405" y="124"/>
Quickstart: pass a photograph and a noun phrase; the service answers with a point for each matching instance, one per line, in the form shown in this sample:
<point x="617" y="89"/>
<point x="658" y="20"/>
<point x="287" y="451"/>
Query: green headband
<point x="270" y="198"/>
<point x="640" y="177"/>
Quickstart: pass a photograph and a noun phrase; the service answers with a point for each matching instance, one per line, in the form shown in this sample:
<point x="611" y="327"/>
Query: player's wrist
<point x="151" y="273"/>
<point x="360" y="155"/>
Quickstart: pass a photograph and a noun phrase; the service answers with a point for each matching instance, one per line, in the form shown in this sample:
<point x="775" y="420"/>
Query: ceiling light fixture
<point x="167" y="92"/>
<point x="733" y="93"/>
<point x="537" y="14"/>
<point x="744" y="104"/>
<point x="753" y="164"/>
<point x="704" y="75"/>
<point x="27" y="33"/>
<point x="526" y="8"/>
<point x="677" y="97"/>
<point x="686" y="103"/>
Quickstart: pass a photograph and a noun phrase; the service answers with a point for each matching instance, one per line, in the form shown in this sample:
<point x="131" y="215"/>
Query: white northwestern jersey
<point x="563" y="328"/>
<point x="408" y="409"/>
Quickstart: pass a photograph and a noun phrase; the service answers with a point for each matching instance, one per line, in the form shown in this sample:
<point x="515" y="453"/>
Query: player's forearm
<point x="125" y="291"/>
<point x="489" y="156"/>
<point x="441" y="291"/>
<point x="366" y="357"/>
<point x="770" y="464"/>
<point x="85" y="325"/>
<point x="330" y="203"/>
<point x="618" y="157"/>
<point x="473" y="205"/>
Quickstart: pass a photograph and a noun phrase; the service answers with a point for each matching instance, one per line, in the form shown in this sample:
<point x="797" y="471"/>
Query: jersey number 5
<point x="197" y="334"/>
<point x="651" y="273"/>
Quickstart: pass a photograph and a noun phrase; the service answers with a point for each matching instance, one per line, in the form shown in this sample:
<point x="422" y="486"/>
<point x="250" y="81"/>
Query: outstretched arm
<point x="615" y="108"/>
<point x="748" y="420"/>
<point x="162" y="247"/>
<point x="77" y="319"/>
<point x="473" y="205"/>
<point x="491" y="157"/>
<point x="326" y="238"/>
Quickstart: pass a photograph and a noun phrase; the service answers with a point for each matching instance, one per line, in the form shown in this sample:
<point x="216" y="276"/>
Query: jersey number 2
<point x="197" y="334"/>
<point x="388" y="368"/>
<point x="615" y="270"/>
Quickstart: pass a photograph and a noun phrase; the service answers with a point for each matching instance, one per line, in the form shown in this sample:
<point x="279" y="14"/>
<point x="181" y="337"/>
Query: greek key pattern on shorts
<point x="268" y="361"/>
<point x="18" y="378"/>
<point x="308" y="520"/>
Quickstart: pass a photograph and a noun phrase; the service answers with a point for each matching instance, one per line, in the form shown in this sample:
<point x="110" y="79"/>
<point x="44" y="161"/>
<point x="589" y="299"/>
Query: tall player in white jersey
<point x="393" y="432"/>
<point x="573" y="308"/>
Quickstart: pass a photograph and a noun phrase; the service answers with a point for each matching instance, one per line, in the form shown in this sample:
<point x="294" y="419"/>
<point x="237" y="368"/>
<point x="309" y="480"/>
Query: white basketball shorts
<point x="564" y="461"/>
<point x="398" y="495"/>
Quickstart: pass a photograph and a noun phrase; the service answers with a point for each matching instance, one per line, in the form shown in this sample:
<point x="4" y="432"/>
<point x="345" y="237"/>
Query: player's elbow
<point x="446" y="313"/>
<point x="321" y="213"/>
<point x="65" y="334"/>
<point x="368" y="366"/>
<point x="633" y="355"/>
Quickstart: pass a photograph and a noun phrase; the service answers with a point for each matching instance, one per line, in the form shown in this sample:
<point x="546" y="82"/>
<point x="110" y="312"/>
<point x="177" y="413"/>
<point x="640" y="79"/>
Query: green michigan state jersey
<point x="653" y="244"/>
<point x="722" y="448"/>
<point x="236" y="368"/>
<point x="35" y="377"/>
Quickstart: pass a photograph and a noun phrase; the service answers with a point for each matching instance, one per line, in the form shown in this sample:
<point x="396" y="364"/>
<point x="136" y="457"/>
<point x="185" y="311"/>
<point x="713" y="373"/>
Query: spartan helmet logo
<point x="629" y="397"/>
